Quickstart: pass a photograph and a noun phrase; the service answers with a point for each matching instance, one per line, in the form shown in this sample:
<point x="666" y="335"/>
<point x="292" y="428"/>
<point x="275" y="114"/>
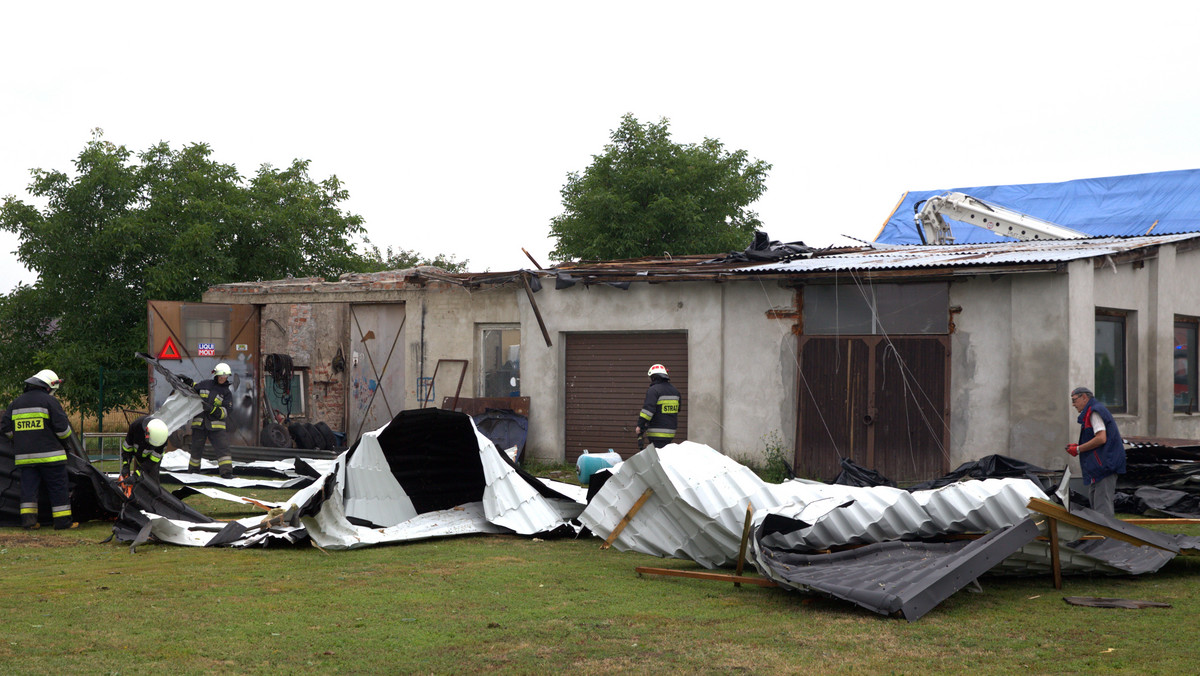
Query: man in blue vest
<point x="1101" y="450"/>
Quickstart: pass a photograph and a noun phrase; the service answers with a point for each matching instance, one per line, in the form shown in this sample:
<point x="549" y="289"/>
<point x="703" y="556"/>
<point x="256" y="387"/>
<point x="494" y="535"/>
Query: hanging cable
<point x="279" y="368"/>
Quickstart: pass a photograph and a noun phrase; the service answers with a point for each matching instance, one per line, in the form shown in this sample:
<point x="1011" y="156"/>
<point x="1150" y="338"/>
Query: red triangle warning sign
<point x="169" y="350"/>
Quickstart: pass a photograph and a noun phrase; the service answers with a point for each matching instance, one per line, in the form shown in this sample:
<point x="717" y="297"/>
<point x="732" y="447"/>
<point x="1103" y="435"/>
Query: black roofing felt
<point x="434" y="455"/>
<point x="909" y="578"/>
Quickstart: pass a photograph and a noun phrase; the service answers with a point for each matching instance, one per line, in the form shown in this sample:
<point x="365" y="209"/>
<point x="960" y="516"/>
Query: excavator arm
<point x="932" y="225"/>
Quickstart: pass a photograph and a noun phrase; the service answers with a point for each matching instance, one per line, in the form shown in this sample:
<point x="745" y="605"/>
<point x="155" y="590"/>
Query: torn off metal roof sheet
<point x="890" y="257"/>
<point x="697" y="507"/>
<point x="909" y="578"/>
<point x="428" y="473"/>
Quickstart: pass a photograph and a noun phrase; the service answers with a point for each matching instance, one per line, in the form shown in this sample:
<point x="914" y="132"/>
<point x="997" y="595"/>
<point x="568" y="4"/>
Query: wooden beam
<point x="741" y="560"/>
<point x="536" y="312"/>
<point x="1054" y="511"/>
<point x="1055" y="563"/>
<point x="711" y="577"/>
<point x="626" y="519"/>
<point x="1162" y="522"/>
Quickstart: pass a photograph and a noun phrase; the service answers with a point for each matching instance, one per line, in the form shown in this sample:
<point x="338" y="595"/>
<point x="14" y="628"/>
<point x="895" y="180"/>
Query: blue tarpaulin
<point x="1117" y="206"/>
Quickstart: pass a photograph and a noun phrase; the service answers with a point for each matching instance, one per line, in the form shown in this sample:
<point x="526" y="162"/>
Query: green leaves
<point x="166" y="226"/>
<point x="649" y="196"/>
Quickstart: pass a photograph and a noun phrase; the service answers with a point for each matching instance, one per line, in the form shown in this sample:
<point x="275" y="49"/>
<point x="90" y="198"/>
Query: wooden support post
<point x="741" y="560"/>
<point x="536" y="312"/>
<point x="627" y="518"/>
<point x="1055" y="563"/>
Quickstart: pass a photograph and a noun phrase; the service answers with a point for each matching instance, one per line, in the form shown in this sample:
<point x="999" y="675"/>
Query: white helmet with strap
<point x="658" y="370"/>
<point x="45" y="378"/>
<point x="222" y="369"/>
<point x="156" y="432"/>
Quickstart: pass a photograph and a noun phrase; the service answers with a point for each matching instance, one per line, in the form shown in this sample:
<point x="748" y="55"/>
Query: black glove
<point x="187" y="381"/>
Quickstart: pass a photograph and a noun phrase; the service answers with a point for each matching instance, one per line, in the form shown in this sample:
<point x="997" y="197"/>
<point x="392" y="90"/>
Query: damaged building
<point x="907" y="358"/>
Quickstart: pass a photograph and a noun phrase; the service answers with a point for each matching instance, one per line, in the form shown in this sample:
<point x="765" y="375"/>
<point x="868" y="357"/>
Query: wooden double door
<point x="881" y="401"/>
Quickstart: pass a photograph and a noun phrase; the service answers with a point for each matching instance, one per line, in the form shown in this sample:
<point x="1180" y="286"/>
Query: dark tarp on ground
<point x="93" y="495"/>
<point x="150" y="497"/>
<point x="1173" y="503"/>
<point x="996" y="467"/>
<point x="854" y="474"/>
<point x="505" y="429"/>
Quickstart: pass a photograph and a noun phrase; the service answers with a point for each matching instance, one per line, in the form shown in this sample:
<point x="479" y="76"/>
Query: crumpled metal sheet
<point x="370" y="490"/>
<point x="510" y="501"/>
<point x="696" y="508"/>
<point x="178" y="409"/>
<point x="699" y="499"/>
<point x="908" y="578"/>
<point x="359" y="501"/>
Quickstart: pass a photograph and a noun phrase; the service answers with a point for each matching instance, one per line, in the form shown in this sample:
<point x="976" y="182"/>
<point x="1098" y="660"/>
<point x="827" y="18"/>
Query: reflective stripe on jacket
<point x="659" y="416"/>
<point x="215" y="398"/>
<point x="37" y="424"/>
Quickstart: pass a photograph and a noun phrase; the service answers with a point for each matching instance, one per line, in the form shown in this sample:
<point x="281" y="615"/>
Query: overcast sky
<point x="454" y="124"/>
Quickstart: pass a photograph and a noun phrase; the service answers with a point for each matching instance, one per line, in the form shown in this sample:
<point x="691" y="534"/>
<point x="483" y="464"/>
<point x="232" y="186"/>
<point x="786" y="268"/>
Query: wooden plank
<point x="1055" y="563"/>
<point x="1162" y="522"/>
<point x="627" y="518"/>
<point x="711" y="577"/>
<point x="1054" y="511"/>
<point x="741" y="560"/>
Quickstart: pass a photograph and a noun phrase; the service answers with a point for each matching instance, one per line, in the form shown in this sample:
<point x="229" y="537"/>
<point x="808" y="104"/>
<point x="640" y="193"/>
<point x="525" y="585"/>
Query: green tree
<point x="166" y="225"/>
<point x="402" y="259"/>
<point x="649" y="196"/>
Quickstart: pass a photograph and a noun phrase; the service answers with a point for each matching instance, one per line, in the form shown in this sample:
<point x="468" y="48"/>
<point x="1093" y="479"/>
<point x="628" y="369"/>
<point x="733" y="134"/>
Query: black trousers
<point x="58" y="486"/>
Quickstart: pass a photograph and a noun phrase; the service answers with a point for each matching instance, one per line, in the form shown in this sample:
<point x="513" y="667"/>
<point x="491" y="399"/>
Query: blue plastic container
<point x="590" y="463"/>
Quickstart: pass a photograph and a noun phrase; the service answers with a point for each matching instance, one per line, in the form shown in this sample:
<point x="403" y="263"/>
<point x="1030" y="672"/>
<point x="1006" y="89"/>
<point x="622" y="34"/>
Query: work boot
<point x="226" y="475"/>
<point x="33" y="527"/>
<point x="74" y="524"/>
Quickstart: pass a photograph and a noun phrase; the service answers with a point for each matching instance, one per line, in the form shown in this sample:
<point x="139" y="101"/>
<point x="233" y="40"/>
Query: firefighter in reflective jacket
<point x="142" y="448"/>
<point x="659" y="416"/>
<point x="210" y="424"/>
<point x="39" y="430"/>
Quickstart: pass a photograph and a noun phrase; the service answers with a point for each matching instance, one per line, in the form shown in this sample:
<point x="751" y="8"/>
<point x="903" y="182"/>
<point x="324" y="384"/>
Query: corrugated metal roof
<point x="698" y="505"/>
<point x="889" y="257"/>
<point x="909" y="578"/>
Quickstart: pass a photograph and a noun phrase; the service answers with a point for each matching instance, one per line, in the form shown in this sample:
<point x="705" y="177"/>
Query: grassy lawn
<point x="522" y="605"/>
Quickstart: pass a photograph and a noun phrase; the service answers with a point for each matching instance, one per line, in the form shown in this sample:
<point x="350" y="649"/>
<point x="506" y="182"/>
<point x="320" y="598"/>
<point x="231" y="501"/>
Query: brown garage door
<point x="606" y="383"/>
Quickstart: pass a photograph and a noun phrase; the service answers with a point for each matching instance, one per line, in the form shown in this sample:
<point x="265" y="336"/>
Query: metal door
<point x="881" y="402"/>
<point x="606" y="384"/>
<point x="376" y="367"/>
<point x="191" y="338"/>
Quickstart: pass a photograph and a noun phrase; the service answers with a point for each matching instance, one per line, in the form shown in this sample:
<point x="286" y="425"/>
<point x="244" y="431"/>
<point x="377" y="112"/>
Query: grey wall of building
<point x="741" y="375"/>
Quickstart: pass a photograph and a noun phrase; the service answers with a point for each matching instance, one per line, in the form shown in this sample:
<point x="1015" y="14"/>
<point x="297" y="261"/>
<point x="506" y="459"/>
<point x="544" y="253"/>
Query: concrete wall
<point x="741" y="375"/>
<point x="441" y="322"/>
<point x="1023" y="342"/>
<point x="311" y="334"/>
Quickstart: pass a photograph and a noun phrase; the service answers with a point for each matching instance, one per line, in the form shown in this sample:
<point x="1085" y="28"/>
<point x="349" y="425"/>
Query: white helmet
<point x="222" y="369"/>
<point x="658" y="370"/>
<point x="45" y="378"/>
<point x="156" y="432"/>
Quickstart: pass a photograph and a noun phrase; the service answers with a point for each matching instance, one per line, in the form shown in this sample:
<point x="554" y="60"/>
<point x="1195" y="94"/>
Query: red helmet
<point x="658" y="370"/>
